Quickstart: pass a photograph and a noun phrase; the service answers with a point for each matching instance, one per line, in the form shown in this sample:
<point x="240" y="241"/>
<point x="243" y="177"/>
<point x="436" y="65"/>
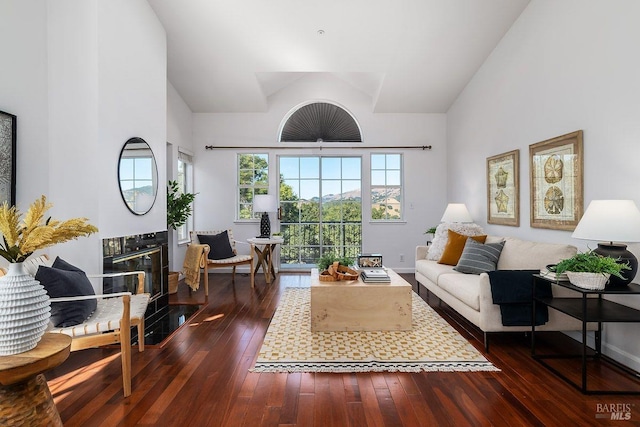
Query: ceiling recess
<point x="320" y="122"/>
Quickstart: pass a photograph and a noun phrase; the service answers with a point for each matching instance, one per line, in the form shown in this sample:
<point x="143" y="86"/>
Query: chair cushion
<point x="107" y="316"/>
<point x="219" y="245"/>
<point x="479" y="258"/>
<point x="455" y="246"/>
<point x="65" y="280"/>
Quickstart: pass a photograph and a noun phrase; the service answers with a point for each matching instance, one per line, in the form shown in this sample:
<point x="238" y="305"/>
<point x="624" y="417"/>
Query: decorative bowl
<point x="591" y="281"/>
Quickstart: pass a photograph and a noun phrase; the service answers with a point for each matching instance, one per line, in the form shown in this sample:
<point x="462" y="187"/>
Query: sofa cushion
<point x="455" y="246"/>
<point x="527" y="255"/>
<point x="440" y="238"/>
<point x="479" y="258"/>
<point x="465" y="287"/>
<point x="432" y="270"/>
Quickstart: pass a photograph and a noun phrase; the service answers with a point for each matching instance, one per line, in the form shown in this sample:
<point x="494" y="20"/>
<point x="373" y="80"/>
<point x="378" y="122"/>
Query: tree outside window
<point x="253" y="178"/>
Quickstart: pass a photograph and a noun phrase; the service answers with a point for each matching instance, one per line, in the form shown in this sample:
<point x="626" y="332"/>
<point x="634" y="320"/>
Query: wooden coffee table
<point x="358" y="306"/>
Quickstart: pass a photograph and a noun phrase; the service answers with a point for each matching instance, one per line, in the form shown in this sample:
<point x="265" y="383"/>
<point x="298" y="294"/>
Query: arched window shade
<point x="320" y="122"/>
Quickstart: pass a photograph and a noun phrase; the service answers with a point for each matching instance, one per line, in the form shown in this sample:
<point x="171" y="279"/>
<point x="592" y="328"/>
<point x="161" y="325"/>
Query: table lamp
<point x="264" y="203"/>
<point x="612" y="222"/>
<point x="456" y="212"/>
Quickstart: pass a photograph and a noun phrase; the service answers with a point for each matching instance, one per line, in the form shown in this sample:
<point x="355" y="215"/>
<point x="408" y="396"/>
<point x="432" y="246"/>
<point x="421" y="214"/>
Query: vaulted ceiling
<point x="408" y="56"/>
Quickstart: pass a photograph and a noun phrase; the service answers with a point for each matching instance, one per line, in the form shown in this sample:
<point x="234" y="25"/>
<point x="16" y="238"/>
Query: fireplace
<point x="146" y="252"/>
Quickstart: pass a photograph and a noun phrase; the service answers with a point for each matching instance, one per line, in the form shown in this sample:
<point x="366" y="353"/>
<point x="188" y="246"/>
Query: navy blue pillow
<point x="65" y="280"/>
<point x="219" y="244"/>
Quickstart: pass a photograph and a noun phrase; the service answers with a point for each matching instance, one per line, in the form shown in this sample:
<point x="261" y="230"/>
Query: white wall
<point x="23" y="91"/>
<point x="83" y="76"/>
<point x="425" y="182"/>
<point x="563" y="66"/>
<point x="179" y="122"/>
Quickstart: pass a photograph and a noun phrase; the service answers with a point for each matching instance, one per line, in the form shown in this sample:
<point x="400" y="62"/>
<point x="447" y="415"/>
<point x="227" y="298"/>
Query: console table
<point x="589" y="307"/>
<point x="265" y="255"/>
<point x="25" y="398"/>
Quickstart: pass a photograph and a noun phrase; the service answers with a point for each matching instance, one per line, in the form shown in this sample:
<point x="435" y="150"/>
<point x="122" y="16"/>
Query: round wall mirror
<point x="138" y="176"/>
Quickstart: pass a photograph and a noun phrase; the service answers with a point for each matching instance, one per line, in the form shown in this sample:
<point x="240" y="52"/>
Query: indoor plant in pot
<point x="179" y="208"/>
<point x="24" y="303"/>
<point x="590" y="270"/>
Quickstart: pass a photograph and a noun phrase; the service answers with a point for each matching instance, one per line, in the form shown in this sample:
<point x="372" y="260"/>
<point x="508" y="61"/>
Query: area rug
<point x="432" y="345"/>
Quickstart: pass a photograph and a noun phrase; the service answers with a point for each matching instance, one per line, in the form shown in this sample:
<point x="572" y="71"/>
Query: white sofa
<point x="470" y="294"/>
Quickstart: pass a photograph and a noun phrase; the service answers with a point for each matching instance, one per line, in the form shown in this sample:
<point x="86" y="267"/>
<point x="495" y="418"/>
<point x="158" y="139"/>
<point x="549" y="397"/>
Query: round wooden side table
<point x="25" y="399"/>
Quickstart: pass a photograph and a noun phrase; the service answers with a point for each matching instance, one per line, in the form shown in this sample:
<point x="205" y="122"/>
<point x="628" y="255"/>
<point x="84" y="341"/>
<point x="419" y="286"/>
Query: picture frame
<point x="503" y="189"/>
<point x="556" y="182"/>
<point x="8" y="128"/>
<point x="369" y="260"/>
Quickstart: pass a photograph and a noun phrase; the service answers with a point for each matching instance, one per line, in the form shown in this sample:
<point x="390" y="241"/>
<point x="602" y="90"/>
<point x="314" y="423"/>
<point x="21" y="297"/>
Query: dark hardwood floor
<point x="199" y="377"/>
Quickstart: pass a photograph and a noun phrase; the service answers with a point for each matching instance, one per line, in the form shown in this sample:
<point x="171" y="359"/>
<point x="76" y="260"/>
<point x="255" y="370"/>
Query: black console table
<point x="589" y="307"/>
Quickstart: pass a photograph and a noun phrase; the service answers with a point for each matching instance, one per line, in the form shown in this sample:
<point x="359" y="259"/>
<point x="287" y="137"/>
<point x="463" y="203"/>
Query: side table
<point x="587" y="310"/>
<point x="265" y="249"/>
<point x="25" y="398"/>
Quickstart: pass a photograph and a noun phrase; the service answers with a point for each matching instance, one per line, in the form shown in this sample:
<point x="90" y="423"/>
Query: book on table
<point x="377" y="275"/>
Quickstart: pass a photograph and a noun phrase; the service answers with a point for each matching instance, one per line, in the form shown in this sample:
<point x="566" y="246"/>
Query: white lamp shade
<point x="610" y="221"/>
<point x="264" y="203"/>
<point x="456" y="212"/>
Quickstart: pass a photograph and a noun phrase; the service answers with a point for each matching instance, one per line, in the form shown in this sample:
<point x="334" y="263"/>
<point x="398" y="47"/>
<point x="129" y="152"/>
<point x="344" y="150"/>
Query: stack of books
<point x="374" y="275"/>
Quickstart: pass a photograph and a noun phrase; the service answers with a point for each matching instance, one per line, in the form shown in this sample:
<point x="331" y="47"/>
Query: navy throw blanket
<point x="511" y="289"/>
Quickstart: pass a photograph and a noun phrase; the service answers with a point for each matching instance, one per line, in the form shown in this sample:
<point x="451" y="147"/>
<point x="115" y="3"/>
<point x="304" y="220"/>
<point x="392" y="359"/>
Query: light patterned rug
<point x="432" y="344"/>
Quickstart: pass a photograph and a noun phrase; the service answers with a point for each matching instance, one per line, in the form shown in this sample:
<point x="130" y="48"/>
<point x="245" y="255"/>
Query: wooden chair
<point x="110" y="323"/>
<point x="233" y="262"/>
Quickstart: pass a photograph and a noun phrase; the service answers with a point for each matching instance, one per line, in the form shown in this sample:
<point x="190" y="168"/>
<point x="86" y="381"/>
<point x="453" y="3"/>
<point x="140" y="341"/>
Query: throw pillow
<point x="455" y="246"/>
<point x="436" y="248"/>
<point x="479" y="258"/>
<point x="65" y="280"/>
<point x="219" y="245"/>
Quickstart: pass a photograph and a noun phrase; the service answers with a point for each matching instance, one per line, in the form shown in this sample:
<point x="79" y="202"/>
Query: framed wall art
<point x="7" y="158"/>
<point x="503" y="189"/>
<point x="556" y="169"/>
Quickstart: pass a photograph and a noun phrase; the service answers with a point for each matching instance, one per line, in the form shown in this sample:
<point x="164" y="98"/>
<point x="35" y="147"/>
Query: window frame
<point x="386" y="220"/>
<point x="185" y="185"/>
<point x="263" y="188"/>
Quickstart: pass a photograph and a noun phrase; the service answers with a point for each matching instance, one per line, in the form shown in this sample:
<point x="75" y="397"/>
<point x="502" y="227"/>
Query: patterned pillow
<point x="479" y="258"/>
<point x="440" y="238"/>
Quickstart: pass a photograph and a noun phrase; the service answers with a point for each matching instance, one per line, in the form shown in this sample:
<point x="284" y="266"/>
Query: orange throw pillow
<point x="455" y="246"/>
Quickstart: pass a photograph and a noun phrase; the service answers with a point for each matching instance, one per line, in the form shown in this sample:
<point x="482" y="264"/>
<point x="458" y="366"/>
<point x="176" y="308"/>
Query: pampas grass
<point x="23" y="237"/>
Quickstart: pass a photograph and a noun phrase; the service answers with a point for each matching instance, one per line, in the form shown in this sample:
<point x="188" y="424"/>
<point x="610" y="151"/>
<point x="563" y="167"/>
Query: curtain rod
<point x="229" y="147"/>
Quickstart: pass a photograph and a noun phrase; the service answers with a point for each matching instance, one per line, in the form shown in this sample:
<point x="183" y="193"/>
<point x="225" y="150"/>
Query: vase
<point x="591" y="281"/>
<point x="24" y="311"/>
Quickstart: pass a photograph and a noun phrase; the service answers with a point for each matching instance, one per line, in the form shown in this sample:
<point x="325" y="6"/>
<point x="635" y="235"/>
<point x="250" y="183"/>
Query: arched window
<point x="320" y="122"/>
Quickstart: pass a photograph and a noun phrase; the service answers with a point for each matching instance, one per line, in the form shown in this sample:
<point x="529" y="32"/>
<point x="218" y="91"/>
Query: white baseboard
<point x="616" y="353"/>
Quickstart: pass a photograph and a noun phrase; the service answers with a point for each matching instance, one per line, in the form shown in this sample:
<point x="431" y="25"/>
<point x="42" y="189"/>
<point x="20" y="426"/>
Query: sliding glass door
<point x="321" y="202"/>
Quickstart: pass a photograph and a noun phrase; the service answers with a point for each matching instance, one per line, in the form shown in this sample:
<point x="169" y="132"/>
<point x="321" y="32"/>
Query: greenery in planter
<point x="432" y="230"/>
<point x="327" y="259"/>
<point x="591" y="262"/>
<point x="178" y="205"/>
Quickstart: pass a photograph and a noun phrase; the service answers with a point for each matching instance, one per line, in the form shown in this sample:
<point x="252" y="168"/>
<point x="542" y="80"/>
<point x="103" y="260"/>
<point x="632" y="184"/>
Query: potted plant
<point x="590" y="270"/>
<point x="178" y="206"/>
<point x="178" y="212"/>
<point x="431" y="232"/>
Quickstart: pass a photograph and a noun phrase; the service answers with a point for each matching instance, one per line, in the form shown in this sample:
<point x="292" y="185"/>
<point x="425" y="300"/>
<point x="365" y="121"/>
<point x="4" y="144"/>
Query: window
<point x="386" y="187"/>
<point x="253" y="178"/>
<point x="321" y="208"/>
<point x="185" y="184"/>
